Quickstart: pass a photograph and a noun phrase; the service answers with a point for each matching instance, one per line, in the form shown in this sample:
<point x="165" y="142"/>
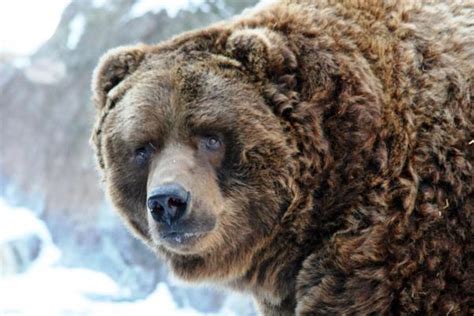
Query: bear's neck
<point x="272" y="276"/>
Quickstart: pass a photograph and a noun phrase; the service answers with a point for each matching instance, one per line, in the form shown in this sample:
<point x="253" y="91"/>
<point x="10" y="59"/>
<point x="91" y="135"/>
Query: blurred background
<point x="63" y="251"/>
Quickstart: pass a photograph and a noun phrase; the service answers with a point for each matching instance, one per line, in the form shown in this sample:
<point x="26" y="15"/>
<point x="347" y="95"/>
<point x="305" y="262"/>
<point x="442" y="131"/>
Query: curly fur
<point x="373" y="155"/>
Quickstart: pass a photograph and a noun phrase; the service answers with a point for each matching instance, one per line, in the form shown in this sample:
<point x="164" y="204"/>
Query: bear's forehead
<point x="169" y="94"/>
<point x="158" y="101"/>
<point x="196" y="84"/>
<point x="180" y="88"/>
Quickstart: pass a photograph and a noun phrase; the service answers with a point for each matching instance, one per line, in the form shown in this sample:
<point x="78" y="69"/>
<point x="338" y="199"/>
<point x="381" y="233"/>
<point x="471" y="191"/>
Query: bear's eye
<point x="142" y="154"/>
<point x="212" y="142"/>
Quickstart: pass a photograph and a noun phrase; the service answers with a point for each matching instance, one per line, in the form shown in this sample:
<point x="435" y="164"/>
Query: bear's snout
<point x="182" y="198"/>
<point x="168" y="203"/>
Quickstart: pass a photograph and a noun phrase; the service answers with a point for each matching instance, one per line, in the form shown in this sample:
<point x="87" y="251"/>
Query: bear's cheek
<point x="126" y="186"/>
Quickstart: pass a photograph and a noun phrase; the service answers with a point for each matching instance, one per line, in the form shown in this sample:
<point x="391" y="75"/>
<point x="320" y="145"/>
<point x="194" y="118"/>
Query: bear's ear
<point x="262" y="51"/>
<point x="113" y="67"/>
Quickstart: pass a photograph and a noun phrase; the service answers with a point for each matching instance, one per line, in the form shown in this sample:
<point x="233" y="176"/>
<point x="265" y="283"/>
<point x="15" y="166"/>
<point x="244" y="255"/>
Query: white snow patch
<point x="76" y="29"/>
<point x="18" y="222"/>
<point x="263" y="3"/>
<point x="99" y="3"/>
<point x="25" y="25"/>
<point x="48" y="289"/>
<point x="205" y="7"/>
<point x="21" y="62"/>
<point x="259" y="6"/>
<point x="46" y="71"/>
<point x="64" y="291"/>
<point x="172" y="7"/>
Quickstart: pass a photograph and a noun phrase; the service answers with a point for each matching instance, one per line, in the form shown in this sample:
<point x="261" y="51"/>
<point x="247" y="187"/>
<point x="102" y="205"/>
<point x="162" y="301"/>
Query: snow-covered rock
<point x="76" y="29"/>
<point x="17" y="255"/>
<point x="141" y="7"/>
<point x="46" y="71"/>
<point x="22" y="239"/>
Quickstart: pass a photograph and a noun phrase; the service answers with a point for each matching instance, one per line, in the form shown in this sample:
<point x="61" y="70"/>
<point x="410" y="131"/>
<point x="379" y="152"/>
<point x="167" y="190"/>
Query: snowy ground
<point x="48" y="289"/>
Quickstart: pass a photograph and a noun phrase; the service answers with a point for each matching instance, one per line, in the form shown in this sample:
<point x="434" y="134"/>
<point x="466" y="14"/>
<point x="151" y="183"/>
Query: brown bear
<point x="316" y="154"/>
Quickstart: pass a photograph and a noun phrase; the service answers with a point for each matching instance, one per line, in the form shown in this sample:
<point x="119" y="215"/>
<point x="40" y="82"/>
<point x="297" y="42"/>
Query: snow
<point x="49" y="289"/>
<point x="76" y="29"/>
<point x="46" y="71"/>
<point x="172" y="7"/>
<point x="17" y="222"/>
<point x="259" y="6"/>
<point x="61" y="291"/>
<point x="21" y="62"/>
<point x="99" y="3"/>
<point x="26" y="24"/>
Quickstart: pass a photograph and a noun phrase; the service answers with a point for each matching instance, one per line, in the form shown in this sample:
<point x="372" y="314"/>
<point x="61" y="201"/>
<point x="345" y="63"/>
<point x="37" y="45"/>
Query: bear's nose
<point x="168" y="203"/>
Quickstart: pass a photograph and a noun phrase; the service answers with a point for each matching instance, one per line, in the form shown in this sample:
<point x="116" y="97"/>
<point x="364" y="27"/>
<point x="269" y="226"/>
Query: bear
<point x="315" y="154"/>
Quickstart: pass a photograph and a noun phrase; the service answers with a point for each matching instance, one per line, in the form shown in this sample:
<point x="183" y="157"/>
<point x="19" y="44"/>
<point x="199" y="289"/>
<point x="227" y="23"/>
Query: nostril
<point x="176" y="202"/>
<point x="156" y="209"/>
<point x="154" y="205"/>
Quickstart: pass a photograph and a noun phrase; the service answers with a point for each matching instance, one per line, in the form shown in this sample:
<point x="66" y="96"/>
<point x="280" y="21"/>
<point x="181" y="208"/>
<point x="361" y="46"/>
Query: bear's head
<point x="192" y="148"/>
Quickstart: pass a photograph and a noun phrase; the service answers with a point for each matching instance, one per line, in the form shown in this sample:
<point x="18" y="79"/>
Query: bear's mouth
<point x="177" y="239"/>
<point x="184" y="235"/>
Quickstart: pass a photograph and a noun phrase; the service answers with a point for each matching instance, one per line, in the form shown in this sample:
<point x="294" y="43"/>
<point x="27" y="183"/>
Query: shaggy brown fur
<point x="344" y="183"/>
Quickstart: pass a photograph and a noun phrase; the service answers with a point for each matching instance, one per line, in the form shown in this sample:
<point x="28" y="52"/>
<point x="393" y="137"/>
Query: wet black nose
<point x="168" y="203"/>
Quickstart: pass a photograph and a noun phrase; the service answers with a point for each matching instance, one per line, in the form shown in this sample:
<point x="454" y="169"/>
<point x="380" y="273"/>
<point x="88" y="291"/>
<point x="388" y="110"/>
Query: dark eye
<point x="142" y="154"/>
<point x="212" y="142"/>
